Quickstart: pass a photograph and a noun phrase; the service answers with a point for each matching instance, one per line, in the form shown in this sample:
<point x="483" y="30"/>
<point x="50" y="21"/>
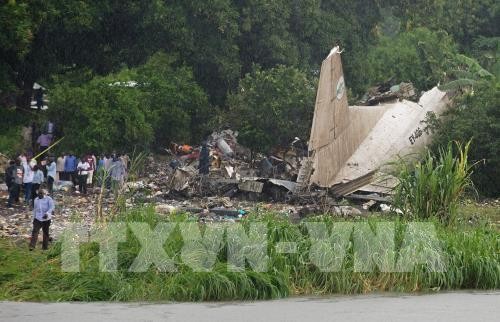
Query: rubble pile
<point x="233" y="169"/>
<point x="237" y="183"/>
<point x="387" y="93"/>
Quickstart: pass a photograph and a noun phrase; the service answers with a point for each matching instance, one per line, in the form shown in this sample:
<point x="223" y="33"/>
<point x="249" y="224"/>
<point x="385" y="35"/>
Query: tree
<point x="273" y="106"/>
<point x="16" y="34"/>
<point x="464" y="20"/>
<point x="102" y="115"/>
<point x="476" y="116"/>
<point x="178" y="108"/>
<point x="154" y="103"/>
<point x="467" y="74"/>
<point x="420" y="56"/>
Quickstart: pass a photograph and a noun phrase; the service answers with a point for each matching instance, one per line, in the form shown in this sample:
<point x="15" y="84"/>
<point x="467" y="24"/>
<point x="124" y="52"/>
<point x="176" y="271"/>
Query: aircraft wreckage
<point x="349" y="149"/>
<point x="349" y="146"/>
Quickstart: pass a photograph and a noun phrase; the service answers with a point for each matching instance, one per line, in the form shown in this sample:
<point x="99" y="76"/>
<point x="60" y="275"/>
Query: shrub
<point x="476" y="115"/>
<point x="432" y="187"/>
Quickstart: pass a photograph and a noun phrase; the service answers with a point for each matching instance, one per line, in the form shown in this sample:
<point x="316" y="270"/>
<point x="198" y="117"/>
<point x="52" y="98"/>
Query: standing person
<point x="100" y="170"/>
<point x="60" y="167"/>
<point x="16" y="184"/>
<point x="107" y="162"/>
<point x="42" y="215"/>
<point x="75" y="166"/>
<point x="90" y="158"/>
<point x="44" y="141"/>
<point x="38" y="95"/>
<point x="10" y="176"/>
<point x="37" y="181"/>
<point x="94" y="158"/>
<point x="50" y="128"/>
<point x="70" y="168"/>
<point x="204" y="167"/>
<point x="51" y="175"/>
<point x="126" y="162"/>
<point x="18" y="179"/>
<point x="9" y="173"/>
<point x="117" y="173"/>
<point x="83" y="171"/>
<point x="27" y="179"/>
<point x="43" y="166"/>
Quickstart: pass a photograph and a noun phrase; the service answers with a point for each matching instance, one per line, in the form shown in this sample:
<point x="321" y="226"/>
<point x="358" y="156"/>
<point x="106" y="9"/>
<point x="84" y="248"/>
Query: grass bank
<point x="472" y="261"/>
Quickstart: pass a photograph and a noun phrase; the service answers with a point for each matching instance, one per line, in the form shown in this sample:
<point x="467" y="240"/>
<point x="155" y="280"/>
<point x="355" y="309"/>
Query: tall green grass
<point x="473" y="259"/>
<point x="433" y="186"/>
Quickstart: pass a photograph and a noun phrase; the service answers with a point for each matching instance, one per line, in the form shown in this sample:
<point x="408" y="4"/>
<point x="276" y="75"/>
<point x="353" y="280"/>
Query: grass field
<point x="472" y="259"/>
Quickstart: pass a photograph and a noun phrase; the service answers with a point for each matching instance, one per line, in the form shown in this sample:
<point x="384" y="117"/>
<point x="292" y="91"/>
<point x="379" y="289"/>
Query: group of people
<point x="26" y="174"/>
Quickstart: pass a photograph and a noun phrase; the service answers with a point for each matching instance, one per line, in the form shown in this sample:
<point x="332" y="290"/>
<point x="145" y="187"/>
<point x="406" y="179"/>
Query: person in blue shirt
<point x="70" y="164"/>
<point x="42" y="215"/>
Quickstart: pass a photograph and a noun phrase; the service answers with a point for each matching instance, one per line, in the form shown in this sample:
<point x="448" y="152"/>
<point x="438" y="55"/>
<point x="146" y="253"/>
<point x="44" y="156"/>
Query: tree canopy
<point x="272" y="107"/>
<point x="151" y="104"/>
<point x="191" y="59"/>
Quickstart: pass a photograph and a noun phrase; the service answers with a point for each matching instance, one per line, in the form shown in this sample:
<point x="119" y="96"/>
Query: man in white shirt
<point x="60" y="168"/>
<point x="42" y="215"/>
<point x="51" y="175"/>
<point x="28" y="175"/>
<point x="83" y="168"/>
<point x="37" y="181"/>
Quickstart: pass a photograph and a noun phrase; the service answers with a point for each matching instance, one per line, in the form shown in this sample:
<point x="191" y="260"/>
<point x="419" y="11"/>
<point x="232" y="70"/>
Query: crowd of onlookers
<point x="27" y="175"/>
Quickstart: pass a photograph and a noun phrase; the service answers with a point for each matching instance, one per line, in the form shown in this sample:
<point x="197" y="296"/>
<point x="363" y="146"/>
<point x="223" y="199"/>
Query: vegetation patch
<point x="472" y="260"/>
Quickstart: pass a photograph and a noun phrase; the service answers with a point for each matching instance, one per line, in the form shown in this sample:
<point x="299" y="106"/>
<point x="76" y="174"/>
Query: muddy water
<point x="463" y="306"/>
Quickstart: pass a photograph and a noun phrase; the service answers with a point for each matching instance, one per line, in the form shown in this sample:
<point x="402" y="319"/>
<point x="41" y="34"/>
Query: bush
<point x="476" y="116"/>
<point x="433" y="187"/>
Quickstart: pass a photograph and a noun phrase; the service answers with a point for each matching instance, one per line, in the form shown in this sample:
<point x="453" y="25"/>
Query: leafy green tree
<point x="213" y="50"/>
<point x="463" y="20"/>
<point x="154" y="103"/>
<point x="467" y="74"/>
<point x="101" y="115"/>
<point x="271" y="107"/>
<point x="476" y="116"/>
<point x="420" y="56"/>
<point x="16" y="35"/>
<point x="178" y="108"/>
<point x="487" y="51"/>
<point x="265" y="36"/>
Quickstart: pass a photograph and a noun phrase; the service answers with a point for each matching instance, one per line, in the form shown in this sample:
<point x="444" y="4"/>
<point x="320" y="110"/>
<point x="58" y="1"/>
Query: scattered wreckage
<point x="348" y="153"/>
<point x="351" y="146"/>
<point x="346" y="157"/>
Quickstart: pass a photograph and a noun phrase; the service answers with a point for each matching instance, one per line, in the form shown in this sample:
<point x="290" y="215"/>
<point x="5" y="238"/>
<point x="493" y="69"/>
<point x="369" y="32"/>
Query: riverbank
<point x="279" y="259"/>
